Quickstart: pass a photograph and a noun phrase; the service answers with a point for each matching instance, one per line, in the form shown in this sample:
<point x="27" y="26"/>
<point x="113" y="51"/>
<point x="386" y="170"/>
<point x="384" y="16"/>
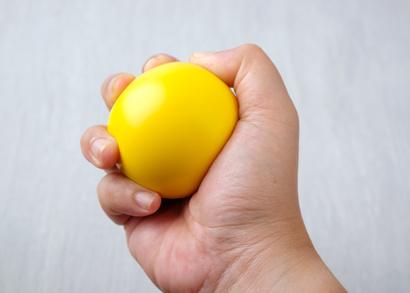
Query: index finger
<point x="114" y="85"/>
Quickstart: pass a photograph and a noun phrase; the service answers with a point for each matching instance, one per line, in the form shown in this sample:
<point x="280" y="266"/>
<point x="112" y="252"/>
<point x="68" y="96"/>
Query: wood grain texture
<point x="346" y="64"/>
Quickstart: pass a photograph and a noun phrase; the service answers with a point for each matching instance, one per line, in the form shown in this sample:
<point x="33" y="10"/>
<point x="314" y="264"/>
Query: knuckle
<point x="86" y="135"/>
<point x="252" y="48"/>
<point x="104" y="186"/>
<point x="112" y="192"/>
<point x="101" y="188"/>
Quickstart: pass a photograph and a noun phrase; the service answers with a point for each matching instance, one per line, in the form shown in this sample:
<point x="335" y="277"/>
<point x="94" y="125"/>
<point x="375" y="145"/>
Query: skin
<point x="242" y="231"/>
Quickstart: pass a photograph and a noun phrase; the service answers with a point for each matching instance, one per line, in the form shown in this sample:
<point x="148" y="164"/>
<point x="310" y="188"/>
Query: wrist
<point x="286" y="263"/>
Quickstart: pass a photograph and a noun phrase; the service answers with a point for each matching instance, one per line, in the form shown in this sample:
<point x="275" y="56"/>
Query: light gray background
<point x="347" y="67"/>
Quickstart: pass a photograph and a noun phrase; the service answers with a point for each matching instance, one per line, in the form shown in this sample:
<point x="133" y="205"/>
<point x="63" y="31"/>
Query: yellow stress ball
<point x="170" y="123"/>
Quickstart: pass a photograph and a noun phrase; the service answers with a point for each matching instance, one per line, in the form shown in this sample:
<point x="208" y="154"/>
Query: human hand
<point x="242" y="230"/>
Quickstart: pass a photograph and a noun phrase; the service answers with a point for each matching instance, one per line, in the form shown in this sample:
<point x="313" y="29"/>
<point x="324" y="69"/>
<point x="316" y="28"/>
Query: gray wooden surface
<point x="346" y="64"/>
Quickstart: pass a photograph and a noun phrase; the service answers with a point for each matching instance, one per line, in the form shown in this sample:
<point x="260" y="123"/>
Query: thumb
<point x="257" y="83"/>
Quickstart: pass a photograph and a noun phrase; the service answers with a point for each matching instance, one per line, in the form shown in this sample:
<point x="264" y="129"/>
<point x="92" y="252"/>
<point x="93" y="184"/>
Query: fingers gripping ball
<point x="170" y="123"/>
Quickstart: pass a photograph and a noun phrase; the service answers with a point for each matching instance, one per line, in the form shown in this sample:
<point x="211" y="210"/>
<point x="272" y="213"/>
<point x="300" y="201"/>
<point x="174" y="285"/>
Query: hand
<point x="242" y="230"/>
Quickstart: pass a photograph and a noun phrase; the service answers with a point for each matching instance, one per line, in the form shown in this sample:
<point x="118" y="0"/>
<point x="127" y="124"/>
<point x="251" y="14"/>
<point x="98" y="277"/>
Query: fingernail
<point x="144" y="199"/>
<point x="97" y="148"/>
<point x="148" y="63"/>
